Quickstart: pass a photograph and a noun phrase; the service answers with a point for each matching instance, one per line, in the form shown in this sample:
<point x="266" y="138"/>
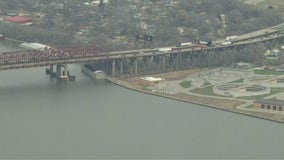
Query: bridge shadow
<point x="52" y="86"/>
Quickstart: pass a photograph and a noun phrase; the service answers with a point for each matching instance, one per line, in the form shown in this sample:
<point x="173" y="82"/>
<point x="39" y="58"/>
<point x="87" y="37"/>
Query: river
<point x="43" y="119"/>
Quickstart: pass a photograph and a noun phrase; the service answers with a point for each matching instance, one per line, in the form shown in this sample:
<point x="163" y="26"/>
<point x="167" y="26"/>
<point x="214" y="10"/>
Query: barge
<point x="89" y="70"/>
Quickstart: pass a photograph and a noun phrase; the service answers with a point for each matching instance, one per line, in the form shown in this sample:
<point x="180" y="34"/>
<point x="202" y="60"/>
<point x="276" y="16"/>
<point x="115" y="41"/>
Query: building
<point x="150" y="81"/>
<point x="269" y="104"/>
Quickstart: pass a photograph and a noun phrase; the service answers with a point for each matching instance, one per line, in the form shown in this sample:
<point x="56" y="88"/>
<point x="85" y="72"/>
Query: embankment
<point x="217" y="103"/>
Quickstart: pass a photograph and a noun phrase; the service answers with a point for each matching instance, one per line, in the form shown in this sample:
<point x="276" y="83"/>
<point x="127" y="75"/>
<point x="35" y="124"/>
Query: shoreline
<point x="234" y="109"/>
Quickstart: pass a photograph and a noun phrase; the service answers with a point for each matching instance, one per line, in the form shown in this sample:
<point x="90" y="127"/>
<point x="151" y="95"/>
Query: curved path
<point x="175" y="88"/>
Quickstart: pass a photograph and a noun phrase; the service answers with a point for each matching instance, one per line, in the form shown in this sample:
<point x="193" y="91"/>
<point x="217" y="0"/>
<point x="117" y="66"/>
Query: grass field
<point x="238" y="81"/>
<point x="266" y="72"/>
<point x="185" y="84"/>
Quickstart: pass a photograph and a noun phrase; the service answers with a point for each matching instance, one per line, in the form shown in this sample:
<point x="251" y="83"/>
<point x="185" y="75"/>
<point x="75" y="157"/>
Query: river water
<point x="42" y="119"/>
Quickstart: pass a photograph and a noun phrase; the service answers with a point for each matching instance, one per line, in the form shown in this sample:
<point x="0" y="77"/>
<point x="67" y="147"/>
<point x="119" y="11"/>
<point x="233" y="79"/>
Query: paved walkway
<point x="253" y="2"/>
<point x="173" y="87"/>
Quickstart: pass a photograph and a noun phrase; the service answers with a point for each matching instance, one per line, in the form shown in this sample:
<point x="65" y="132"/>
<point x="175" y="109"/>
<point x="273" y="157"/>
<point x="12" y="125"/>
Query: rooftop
<point x="271" y="101"/>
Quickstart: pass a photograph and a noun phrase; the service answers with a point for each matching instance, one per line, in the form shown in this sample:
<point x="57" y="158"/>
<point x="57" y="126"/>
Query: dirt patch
<point x="253" y="2"/>
<point x="137" y="82"/>
<point x="214" y="102"/>
<point x="178" y="75"/>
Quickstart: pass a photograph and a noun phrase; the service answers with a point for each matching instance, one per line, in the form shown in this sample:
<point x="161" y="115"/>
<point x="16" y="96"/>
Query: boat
<point x="89" y="70"/>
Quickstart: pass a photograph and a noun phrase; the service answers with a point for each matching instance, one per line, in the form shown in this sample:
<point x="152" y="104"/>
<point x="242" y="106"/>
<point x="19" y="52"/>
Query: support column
<point x="177" y="61"/>
<point x="145" y="66"/>
<point x="188" y="60"/>
<point x="51" y="69"/>
<point x="65" y="71"/>
<point x="121" y="67"/>
<point x="113" y="67"/>
<point x="136" y="66"/>
<point x="151" y="58"/>
<point x="58" y="70"/>
<point x="164" y="63"/>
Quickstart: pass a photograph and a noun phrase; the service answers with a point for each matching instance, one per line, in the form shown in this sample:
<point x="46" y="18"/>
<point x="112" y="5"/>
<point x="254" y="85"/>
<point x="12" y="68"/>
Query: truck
<point x="166" y="49"/>
<point x="207" y="43"/>
<point x="184" y="44"/>
<point x="203" y="42"/>
<point x="226" y="43"/>
<point x="229" y="38"/>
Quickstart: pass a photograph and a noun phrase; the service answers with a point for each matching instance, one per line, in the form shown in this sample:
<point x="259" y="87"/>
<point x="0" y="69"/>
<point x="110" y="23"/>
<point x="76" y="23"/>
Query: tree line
<point x="201" y="18"/>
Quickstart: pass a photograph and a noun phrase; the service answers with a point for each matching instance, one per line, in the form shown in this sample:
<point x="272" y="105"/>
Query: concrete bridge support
<point x="51" y="68"/>
<point x="64" y="76"/>
<point x="49" y="71"/>
<point x="58" y="74"/>
<point x="136" y="66"/>
<point x="173" y="61"/>
<point x="58" y="71"/>
<point x="113" y="68"/>
<point x="65" y="72"/>
<point x="163" y="63"/>
<point x="178" y="61"/>
<point x="121" y="67"/>
<point x="145" y="64"/>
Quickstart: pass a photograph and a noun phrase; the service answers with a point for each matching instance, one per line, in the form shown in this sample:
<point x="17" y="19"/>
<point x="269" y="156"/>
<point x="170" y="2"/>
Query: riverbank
<point x="235" y="105"/>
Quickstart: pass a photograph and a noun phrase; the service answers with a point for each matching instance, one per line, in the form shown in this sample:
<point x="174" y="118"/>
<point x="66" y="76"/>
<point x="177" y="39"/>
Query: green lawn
<point x="266" y="72"/>
<point x="238" y="81"/>
<point x="185" y="84"/>
<point x="205" y="91"/>
<point x="207" y="83"/>
<point x="276" y="90"/>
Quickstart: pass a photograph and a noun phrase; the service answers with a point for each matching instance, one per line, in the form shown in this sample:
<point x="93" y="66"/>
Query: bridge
<point x="115" y="61"/>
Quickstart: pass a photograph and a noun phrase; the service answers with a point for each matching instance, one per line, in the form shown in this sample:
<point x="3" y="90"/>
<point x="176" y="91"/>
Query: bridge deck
<point x="56" y="55"/>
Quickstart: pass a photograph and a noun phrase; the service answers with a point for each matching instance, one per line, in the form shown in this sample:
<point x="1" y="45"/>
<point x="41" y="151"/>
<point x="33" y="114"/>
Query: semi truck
<point x="184" y="44"/>
<point x="229" y="38"/>
<point x="226" y="43"/>
<point x="165" y="49"/>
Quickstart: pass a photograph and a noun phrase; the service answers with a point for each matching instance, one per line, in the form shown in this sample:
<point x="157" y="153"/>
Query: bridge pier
<point x="51" y="68"/>
<point x="49" y="71"/>
<point x="164" y="63"/>
<point x="136" y="66"/>
<point x="58" y="71"/>
<point x="178" y="57"/>
<point x="121" y="67"/>
<point x="65" y="73"/>
<point x="113" y="68"/>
